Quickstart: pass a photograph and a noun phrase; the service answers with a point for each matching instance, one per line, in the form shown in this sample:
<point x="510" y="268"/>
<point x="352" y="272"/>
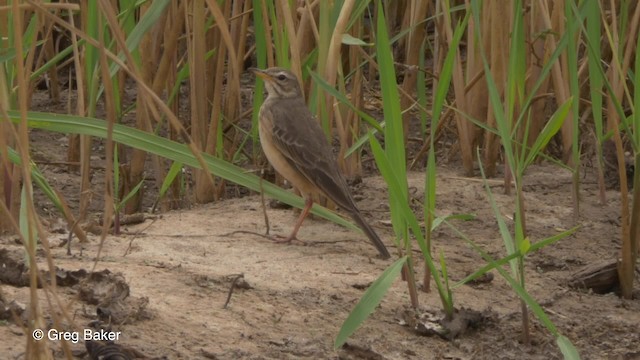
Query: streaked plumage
<point x="296" y="146"/>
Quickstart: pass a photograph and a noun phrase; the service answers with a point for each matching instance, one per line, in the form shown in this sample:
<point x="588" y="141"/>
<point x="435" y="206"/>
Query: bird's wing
<point x="301" y="140"/>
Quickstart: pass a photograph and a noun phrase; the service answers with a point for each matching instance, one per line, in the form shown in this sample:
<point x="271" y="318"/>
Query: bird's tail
<point x="371" y="234"/>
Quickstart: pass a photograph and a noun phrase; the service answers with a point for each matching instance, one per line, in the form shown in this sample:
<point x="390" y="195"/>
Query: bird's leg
<point x="303" y="215"/>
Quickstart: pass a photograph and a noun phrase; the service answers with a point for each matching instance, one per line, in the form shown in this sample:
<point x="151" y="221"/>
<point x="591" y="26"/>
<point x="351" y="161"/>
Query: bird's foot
<point x="285" y="239"/>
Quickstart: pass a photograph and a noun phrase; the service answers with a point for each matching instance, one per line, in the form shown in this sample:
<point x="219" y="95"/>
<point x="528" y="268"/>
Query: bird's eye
<point x="281" y="77"/>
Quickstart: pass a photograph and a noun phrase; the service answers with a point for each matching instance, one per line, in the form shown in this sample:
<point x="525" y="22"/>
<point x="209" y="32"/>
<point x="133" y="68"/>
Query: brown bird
<point x="296" y="146"/>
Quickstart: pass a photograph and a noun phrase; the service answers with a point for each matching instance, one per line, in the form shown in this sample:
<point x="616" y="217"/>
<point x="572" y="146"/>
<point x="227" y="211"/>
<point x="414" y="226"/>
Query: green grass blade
<point x="439" y="220"/>
<point x="491" y="264"/>
<point x="91" y="57"/>
<point x="404" y="211"/>
<point x="569" y="351"/>
<point x="172" y="150"/>
<point x="448" y="304"/>
<point x="502" y="225"/>
<point x="116" y="173"/>
<point x="550" y="129"/>
<point x="421" y="90"/>
<point x="23" y="220"/>
<point x="261" y="60"/>
<point x="565" y="344"/>
<point x="57" y="58"/>
<point x="174" y="170"/>
<point x="130" y="195"/>
<point x="369" y="301"/>
<point x="395" y="189"/>
<point x="529" y="300"/>
<point x="146" y="23"/>
<point x="39" y="180"/>
<point x="439" y="98"/>
<point x="362" y="140"/>
<point x="594" y="56"/>
<point x="343" y="99"/>
<point x="393" y="131"/>
<point x="516" y="73"/>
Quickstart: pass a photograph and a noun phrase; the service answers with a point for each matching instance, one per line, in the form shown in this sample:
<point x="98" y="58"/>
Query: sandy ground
<point x="292" y="299"/>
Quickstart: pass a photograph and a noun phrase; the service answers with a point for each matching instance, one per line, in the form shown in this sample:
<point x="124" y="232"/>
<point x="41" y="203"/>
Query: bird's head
<point x="280" y="83"/>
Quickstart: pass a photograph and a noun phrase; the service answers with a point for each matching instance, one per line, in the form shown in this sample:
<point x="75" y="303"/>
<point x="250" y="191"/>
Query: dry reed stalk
<point x="287" y="12"/>
<point x="225" y="100"/>
<point x="334" y="56"/>
<point x="325" y="31"/>
<point x="415" y="13"/>
<point x="268" y="34"/>
<point x="634" y="238"/>
<point x="536" y="56"/>
<point x="216" y="91"/>
<point x="444" y="28"/>
<point x="554" y="19"/>
<point x="74" y="140"/>
<point x="352" y="165"/>
<point x="232" y="107"/>
<point x="307" y="34"/>
<point x="49" y="51"/>
<point x="500" y="18"/>
<point x="332" y="70"/>
<point x="30" y="60"/>
<point x="80" y="146"/>
<point x="166" y="77"/>
<point x="239" y="24"/>
<point x="164" y="60"/>
<point x="8" y="187"/>
<point x="148" y="65"/>
<point x="131" y="172"/>
<point x="198" y="82"/>
<point x="477" y="94"/>
<point x="34" y="349"/>
<point x="111" y="117"/>
<point x="156" y="105"/>
<point x="395" y="12"/>
<point x="617" y="77"/>
<point x="370" y="33"/>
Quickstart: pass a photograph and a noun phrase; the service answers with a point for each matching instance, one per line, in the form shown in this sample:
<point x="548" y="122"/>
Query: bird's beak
<point x="261" y="73"/>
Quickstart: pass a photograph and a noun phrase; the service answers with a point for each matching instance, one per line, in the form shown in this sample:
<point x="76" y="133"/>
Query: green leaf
<point x="524" y="246"/>
<point x="448" y="299"/>
<point x="491" y="264"/>
<point x="70" y="124"/>
<point x="23" y="220"/>
<point x="394" y="147"/>
<point x="394" y="133"/>
<point x="396" y="190"/>
<point x="507" y="239"/>
<point x="39" y="180"/>
<point x="343" y="99"/>
<point x="439" y="220"/>
<point x="147" y="22"/>
<point x="529" y="300"/>
<point x="8" y="54"/>
<point x="404" y="211"/>
<point x="566" y="347"/>
<point x="130" y="195"/>
<point x="549" y="130"/>
<point x="369" y="301"/>
<point x="174" y="170"/>
<point x="347" y="39"/>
